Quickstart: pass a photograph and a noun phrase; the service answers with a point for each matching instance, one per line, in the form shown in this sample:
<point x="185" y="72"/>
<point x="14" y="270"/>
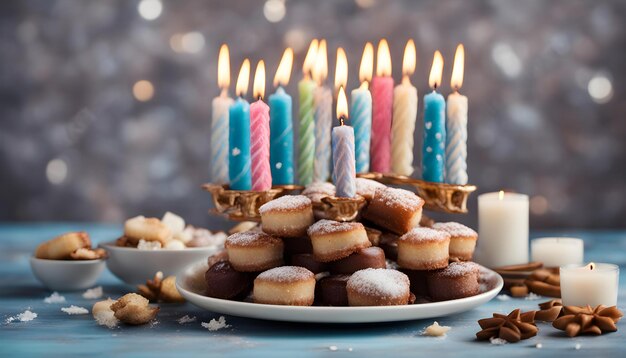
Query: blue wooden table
<point x="54" y="333"/>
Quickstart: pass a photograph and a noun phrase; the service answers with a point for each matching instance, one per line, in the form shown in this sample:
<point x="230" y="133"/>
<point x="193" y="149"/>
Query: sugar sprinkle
<point x="215" y="325"/>
<point x="497" y="341"/>
<point x="54" y="298"/>
<point x="25" y="316"/>
<point x="186" y="319"/>
<point x="93" y="293"/>
<point x="503" y="297"/>
<point x="75" y="310"/>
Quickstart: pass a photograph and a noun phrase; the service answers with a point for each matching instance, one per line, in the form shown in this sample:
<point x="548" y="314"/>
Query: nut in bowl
<point x="149" y="245"/>
<point x="67" y="262"/>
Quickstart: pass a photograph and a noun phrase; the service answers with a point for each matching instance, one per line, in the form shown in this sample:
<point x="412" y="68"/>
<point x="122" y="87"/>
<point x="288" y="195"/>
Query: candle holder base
<point x="242" y="205"/>
<point x="449" y="198"/>
<point x="339" y="209"/>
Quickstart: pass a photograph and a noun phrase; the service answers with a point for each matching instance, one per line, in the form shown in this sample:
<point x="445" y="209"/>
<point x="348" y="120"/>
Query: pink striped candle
<point x="382" y="108"/>
<point x="260" y="134"/>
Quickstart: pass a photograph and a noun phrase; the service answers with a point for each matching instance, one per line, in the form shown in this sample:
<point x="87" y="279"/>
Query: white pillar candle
<point x="502" y="229"/>
<point x="593" y="284"/>
<point x="557" y="251"/>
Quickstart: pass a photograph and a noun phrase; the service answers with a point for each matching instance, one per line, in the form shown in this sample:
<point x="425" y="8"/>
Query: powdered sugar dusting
<point x="286" y="274"/>
<point x="420" y="234"/>
<point x="325" y="227"/>
<point x="286" y="203"/>
<point x="25" y="316"/>
<point x="459" y="269"/>
<point x="455" y="229"/>
<point x="399" y="198"/>
<point x="93" y="293"/>
<point x="379" y="282"/>
<point x="186" y="319"/>
<point x="316" y="191"/>
<point x="367" y="187"/>
<point x="251" y="239"/>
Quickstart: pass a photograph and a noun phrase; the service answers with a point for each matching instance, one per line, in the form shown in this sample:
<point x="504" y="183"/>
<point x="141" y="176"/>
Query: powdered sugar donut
<point x="458" y="280"/>
<point x="378" y="287"/>
<point x="397" y="210"/>
<point x="285" y="285"/>
<point x="462" y="239"/>
<point x="287" y="216"/>
<point x="254" y="251"/>
<point x="367" y="187"/>
<point x="423" y="249"/>
<point x="334" y="240"/>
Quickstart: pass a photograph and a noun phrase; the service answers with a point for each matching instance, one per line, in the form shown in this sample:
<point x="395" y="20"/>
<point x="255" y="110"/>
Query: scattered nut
<point x="161" y="290"/>
<point x="519" y="291"/>
<point x="88" y="254"/>
<point x="134" y="309"/>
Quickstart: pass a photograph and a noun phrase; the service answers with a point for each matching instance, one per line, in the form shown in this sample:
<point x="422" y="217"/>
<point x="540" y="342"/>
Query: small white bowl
<point x="67" y="275"/>
<point x="135" y="266"/>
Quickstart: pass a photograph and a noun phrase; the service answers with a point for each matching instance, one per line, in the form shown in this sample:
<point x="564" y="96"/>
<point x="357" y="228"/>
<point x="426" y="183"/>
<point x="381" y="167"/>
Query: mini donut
<point x="285" y="285"/>
<point x="367" y="187"/>
<point x="332" y="290"/>
<point x="287" y="216"/>
<point x="462" y="240"/>
<point x="254" y="251"/>
<point x="458" y="280"/>
<point x="423" y="249"/>
<point x="226" y="283"/>
<point x="309" y="262"/>
<point x="396" y="210"/>
<point x="149" y="229"/>
<point x="334" y="240"/>
<point x="369" y="257"/>
<point x="378" y="287"/>
<point x="62" y="246"/>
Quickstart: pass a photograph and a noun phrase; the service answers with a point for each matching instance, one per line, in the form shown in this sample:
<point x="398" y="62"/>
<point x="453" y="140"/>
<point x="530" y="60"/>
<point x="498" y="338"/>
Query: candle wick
<point x="341" y="120"/>
<point x="435" y="86"/>
<point x="260" y="98"/>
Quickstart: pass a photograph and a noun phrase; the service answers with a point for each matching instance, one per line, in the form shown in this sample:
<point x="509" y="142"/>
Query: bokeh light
<point x="150" y="9"/>
<point x="143" y="90"/>
<point x="56" y="171"/>
<point x="274" y="10"/>
<point x="600" y="89"/>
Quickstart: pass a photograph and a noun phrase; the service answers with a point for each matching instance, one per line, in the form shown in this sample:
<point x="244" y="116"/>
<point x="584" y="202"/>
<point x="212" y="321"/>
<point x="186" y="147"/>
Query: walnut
<point x="161" y="290"/>
<point x="134" y="309"/>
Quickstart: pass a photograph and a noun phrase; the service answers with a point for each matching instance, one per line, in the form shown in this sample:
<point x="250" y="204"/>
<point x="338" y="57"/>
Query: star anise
<point x="512" y="327"/>
<point x="549" y="311"/>
<point x="587" y="320"/>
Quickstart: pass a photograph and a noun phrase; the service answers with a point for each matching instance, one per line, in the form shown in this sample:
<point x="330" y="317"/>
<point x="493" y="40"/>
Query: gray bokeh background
<point x="545" y="82"/>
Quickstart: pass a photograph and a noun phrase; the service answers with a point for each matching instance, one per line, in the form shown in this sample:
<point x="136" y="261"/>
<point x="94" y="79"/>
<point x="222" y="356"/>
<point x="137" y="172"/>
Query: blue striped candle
<point x="239" y="146"/>
<point x="361" y="116"/>
<point x="344" y="172"/>
<point x="281" y="138"/>
<point x="433" y="150"/>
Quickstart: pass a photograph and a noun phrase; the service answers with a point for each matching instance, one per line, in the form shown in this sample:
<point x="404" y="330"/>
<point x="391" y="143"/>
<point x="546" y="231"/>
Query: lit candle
<point x="306" y="114"/>
<point x="281" y="127"/>
<point x="593" y="284"/>
<point x="404" y="116"/>
<point x="260" y="134"/>
<point x="433" y="149"/>
<point x="382" y="103"/>
<point x="361" y="111"/>
<point x="239" y="134"/>
<point x="502" y="229"/>
<point x="219" y="121"/>
<point x="323" y="100"/>
<point x="557" y="251"/>
<point x="456" y="125"/>
<point x="344" y="170"/>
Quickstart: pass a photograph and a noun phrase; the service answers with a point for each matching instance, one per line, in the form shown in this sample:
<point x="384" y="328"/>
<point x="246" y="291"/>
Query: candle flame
<point x="383" y="59"/>
<point x="501" y="195"/>
<point x="342" y="104"/>
<point x="436" y="71"/>
<point x="223" y="68"/>
<point x="258" y="87"/>
<point x="309" y="60"/>
<point x="243" y="79"/>
<point x="367" y="63"/>
<point x="283" y="73"/>
<point x="409" y="61"/>
<point x="320" y="69"/>
<point x="457" y="69"/>
<point x="341" y="69"/>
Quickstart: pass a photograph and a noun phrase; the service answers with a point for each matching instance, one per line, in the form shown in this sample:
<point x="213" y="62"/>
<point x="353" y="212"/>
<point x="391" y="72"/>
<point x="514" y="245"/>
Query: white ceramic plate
<point x="135" y="266"/>
<point x="190" y="284"/>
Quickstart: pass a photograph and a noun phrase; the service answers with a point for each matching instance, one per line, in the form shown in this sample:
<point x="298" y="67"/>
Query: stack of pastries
<point x="386" y="258"/>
